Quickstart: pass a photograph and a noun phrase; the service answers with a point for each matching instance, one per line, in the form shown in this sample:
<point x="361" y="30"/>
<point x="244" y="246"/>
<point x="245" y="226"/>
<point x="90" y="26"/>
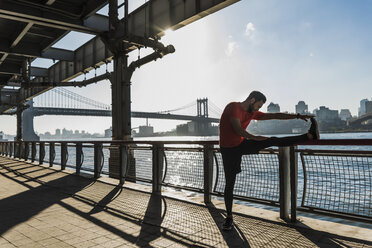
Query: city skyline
<point x="315" y="51"/>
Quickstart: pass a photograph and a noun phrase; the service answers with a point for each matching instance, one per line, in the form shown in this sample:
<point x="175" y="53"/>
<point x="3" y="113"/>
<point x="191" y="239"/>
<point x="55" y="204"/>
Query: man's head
<point x="255" y="99"/>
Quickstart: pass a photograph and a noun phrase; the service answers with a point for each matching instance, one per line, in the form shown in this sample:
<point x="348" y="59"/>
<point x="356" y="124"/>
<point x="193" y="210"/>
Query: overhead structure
<point x="30" y="28"/>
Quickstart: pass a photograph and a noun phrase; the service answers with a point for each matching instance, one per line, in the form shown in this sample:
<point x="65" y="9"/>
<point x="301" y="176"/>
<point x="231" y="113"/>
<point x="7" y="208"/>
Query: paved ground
<point x="42" y="207"/>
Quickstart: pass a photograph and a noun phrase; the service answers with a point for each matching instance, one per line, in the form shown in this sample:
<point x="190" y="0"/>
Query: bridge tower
<point x="202" y="105"/>
<point x="202" y="111"/>
<point x="28" y="132"/>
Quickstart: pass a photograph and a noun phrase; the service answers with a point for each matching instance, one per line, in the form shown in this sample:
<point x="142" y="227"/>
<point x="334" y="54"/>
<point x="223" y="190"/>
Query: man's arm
<point x="283" y="116"/>
<point x="235" y="122"/>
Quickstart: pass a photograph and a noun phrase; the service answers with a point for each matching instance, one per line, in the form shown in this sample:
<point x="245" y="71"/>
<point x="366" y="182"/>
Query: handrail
<point x="321" y="142"/>
<point x="318" y="161"/>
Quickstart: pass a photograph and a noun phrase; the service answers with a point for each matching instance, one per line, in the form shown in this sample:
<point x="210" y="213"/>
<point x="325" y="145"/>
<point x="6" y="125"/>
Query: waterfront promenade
<point x="44" y="207"/>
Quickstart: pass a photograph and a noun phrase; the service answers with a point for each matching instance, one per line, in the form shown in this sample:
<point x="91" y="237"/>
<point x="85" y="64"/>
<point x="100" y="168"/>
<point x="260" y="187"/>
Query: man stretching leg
<point x="235" y="141"/>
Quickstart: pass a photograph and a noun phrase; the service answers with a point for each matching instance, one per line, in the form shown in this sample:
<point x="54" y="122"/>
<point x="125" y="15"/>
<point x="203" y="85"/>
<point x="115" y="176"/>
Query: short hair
<point x="258" y="96"/>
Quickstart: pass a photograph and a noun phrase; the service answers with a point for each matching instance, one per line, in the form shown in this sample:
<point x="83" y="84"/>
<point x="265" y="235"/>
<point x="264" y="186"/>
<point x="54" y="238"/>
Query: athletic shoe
<point x="313" y="130"/>
<point x="227" y="224"/>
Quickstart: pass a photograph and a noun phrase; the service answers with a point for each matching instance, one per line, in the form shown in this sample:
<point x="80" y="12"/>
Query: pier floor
<point x="44" y="207"/>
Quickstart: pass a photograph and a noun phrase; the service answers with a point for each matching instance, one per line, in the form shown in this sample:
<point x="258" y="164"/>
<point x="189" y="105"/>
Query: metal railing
<point x="332" y="182"/>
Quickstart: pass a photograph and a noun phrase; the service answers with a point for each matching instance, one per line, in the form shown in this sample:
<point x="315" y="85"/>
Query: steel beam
<point x="14" y="10"/>
<point x="157" y="16"/>
<point x="58" y="54"/>
<point x="38" y="72"/>
<point x="13" y="69"/>
<point x="32" y="50"/>
<point x="22" y="34"/>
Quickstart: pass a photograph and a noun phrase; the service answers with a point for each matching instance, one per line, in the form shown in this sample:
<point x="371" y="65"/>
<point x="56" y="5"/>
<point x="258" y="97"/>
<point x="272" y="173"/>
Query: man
<point x="235" y="141"/>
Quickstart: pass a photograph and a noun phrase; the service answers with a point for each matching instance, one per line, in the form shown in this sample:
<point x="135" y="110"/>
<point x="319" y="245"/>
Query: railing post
<point x="97" y="160"/>
<point x="208" y="172"/>
<point x="52" y="153"/>
<point x="11" y="149"/>
<point x="26" y="150"/>
<point x="79" y="154"/>
<point x="123" y="149"/>
<point x="63" y="156"/>
<point x="20" y="150"/>
<point x="157" y="167"/>
<point x="284" y="182"/>
<point x="33" y="151"/>
<point x="41" y="152"/>
<point x="294" y="182"/>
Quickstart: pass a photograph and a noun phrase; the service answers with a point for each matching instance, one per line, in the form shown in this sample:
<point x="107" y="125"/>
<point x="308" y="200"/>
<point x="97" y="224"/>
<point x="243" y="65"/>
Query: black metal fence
<point x="330" y="181"/>
<point x="337" y="182"/>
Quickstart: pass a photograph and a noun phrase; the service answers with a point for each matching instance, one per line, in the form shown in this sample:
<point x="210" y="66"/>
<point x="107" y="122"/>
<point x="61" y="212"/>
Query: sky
<point x="317" y="51"/>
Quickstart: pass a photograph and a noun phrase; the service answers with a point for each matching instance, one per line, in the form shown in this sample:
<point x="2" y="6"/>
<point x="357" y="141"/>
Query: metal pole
<point x="52" y="153"/>
<point x="157" y="167"/>
<point x="284" y="182"/>
<point x="208" y="172"/>
<point x="123" y="149"/>
<point x="63" y="155"/>
<point x="19" y="124"/>
<point x="294" y="182"/>
<point x="79" y="153"/>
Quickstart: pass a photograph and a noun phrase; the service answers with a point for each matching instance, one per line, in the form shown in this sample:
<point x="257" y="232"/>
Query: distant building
<point x="362" y="108"/>
<point x="368" y="105"/>
<point x="2" y="136"/>
<point x="301" y="108"/>
<point x="273" y="108"/>
<point x="58" y="132"/>
<point x="146" y="130"/>
<point x="345" y="114"/>
<point x="326" y="115"/>
<point x="108" y="132"/>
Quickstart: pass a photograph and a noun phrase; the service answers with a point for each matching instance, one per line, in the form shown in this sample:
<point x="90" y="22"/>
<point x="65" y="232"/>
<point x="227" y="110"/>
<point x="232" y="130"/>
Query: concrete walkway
<point x="43" y="207"/>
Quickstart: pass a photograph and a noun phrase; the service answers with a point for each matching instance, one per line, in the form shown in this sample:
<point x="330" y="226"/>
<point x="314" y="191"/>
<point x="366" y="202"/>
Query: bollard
<point x="208" y="172"/>
<point x="157" y="167"/>
<point x="284" y="182"/>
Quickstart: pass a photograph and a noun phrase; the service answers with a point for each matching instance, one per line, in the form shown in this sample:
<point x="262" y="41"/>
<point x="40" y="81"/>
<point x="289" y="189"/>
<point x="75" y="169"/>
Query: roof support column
<point x="120" y="80"/>
<point x="121" y="99"/>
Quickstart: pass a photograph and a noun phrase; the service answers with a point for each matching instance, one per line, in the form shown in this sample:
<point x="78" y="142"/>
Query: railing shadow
<point x="33" y="197"/>
<point x="151" y="226"/>
<point x="234" y="237"/>
<point x="47" y="194"/>
<point x="247" y="232"/>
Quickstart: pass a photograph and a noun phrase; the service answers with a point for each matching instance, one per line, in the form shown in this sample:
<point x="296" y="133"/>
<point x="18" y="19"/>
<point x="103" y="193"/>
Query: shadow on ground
<point x="155" y="221"/>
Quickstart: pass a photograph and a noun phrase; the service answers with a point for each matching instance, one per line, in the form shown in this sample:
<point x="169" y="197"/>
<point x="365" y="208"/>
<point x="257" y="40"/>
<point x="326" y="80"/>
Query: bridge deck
<point x="43" y="207"/>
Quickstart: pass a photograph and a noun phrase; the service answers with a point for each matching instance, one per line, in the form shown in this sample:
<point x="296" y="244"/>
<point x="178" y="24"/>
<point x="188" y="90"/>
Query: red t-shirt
<point x="228" y="137"/>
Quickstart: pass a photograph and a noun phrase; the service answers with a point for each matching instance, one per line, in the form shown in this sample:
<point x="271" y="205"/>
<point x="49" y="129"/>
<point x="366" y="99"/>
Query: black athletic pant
<point x="231" y="158"/>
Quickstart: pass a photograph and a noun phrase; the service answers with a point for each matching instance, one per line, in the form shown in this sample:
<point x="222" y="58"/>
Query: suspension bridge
<point x="60" y="101"/>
